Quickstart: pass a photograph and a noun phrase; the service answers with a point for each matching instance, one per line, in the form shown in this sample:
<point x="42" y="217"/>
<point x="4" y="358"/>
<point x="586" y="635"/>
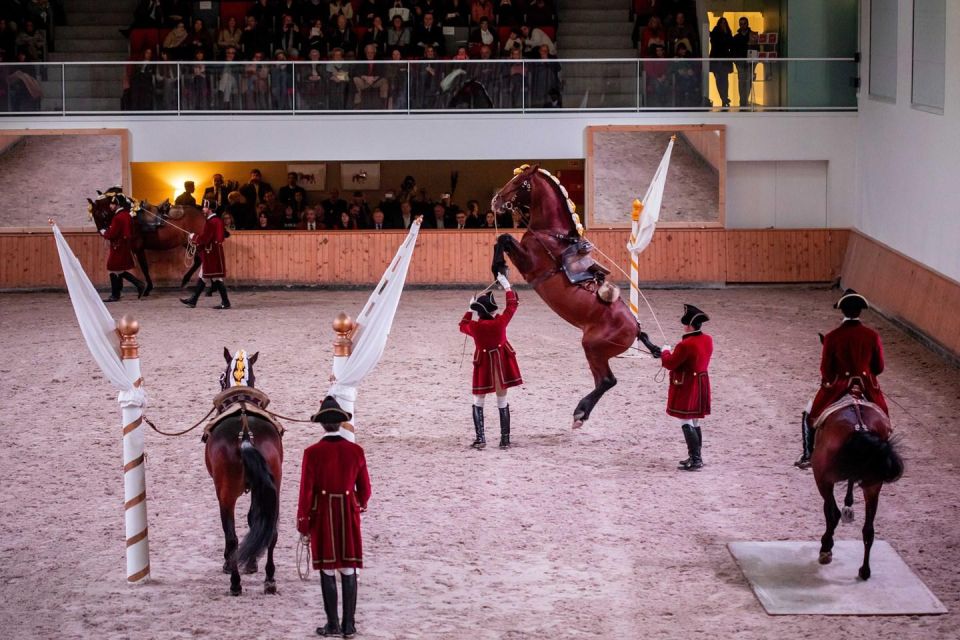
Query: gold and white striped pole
<point x="134" y="471"/>
<point x="634" y="265"/>
<point x="343" y="326"/>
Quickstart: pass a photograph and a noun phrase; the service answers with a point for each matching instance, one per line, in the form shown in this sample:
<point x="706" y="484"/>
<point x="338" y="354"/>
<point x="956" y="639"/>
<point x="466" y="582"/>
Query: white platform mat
<point x="787" y="579"/>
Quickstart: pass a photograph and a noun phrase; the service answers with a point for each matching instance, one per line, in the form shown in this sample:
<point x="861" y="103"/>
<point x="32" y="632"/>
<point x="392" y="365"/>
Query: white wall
<point x="757" y="137"/>
<point x="909" y="160"/>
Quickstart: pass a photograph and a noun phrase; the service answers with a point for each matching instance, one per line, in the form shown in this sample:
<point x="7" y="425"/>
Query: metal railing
<point x="429" y="86"/>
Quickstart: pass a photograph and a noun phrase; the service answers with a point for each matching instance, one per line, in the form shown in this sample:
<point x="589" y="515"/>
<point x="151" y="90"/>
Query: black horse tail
<point x="264" y="503"/>
<point x="867" y="458"/>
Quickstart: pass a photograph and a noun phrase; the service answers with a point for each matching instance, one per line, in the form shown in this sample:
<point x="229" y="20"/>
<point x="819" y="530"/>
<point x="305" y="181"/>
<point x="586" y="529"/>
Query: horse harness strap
<point x="245" y="401"/>
<point x="850" y="401"/>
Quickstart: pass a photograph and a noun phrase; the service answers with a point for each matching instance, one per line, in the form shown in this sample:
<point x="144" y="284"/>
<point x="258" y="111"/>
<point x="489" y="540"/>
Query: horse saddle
<point x="149" y="222"/>
<point x="855" y="401"/>
<point x="579" y="266"/>
<point x="233" y="400"/>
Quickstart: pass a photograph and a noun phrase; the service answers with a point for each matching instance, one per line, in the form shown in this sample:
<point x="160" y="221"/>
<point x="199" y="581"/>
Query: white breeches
<point x="693" y="422"/>
<point x="347" y="571"/>
<point x="478" y="399"/>
<point x="809" y="406"/>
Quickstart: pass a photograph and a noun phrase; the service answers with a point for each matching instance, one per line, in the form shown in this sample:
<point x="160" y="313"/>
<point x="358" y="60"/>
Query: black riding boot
<point x="697" y="461"/>
<point x="328" y="586"/>
<point x="481" y="441"/>
<point x="116" y="286"/>
<point x="808" y="436"/>
<point x="224" y="300"/>
<point x="349" y="604"/>
<point x="197" y="290"/>
<point x="693" y="449"/>
<point x="505" y="427"/>
<point x="138" y="283"/>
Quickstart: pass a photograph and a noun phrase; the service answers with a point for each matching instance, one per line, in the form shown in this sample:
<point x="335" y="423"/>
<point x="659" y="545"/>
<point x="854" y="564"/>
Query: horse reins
<point x="179" y="433"/>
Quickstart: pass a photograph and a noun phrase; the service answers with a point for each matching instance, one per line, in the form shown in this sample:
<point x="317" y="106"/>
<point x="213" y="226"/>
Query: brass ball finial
<point x="343" y="326"/>
<point x="128" y="326"/>
<point x="343" y="323"/>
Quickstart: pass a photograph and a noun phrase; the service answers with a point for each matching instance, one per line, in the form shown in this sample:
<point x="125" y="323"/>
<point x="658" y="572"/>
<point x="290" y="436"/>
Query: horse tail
<point x="264" y="503"/>
<point x="865" y="457"/>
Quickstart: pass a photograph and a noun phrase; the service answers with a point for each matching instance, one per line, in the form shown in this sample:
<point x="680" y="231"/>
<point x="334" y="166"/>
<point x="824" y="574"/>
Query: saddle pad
<point x="843" y="403"/>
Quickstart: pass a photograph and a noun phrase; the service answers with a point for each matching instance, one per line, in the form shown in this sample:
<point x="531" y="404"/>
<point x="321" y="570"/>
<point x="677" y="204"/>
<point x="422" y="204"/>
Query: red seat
<point x="360" y="31"/>
<point x="473" y="49"/>
<point x="503" y="33"/>
<point x="142" y="38"/>
<point x="551" y="32"/>
<point x="234" y="9"/>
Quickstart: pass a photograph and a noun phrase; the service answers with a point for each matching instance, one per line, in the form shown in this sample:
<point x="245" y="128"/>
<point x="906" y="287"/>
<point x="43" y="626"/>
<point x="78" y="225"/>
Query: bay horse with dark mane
<point x="853" y="445"/>
<point x="152" y="231"/>
<point x="549" y="250"/>
<point x="244" y="452"/>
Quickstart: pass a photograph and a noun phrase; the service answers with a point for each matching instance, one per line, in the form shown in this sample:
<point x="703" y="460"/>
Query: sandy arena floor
<point x="567" y="535"/>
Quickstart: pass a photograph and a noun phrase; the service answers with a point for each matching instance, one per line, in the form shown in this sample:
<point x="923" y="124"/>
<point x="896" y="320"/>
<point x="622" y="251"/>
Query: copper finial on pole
<point x="343" y="326"/>
<point x="128" y="328"/>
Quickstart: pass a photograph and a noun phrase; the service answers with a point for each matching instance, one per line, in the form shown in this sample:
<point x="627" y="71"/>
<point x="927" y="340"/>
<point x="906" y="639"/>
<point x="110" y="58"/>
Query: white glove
<point x="666" y="347"/>
<point x="190" y="237"/>
<point x="103" y="232"/>
<point x="502" y="279"/>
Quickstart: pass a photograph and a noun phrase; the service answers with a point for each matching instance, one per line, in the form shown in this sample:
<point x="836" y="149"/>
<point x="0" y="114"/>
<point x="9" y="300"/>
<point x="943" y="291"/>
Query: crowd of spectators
<point x="26" y="35"/>
<point x="257" y="206"/>
<point x="665" y="34"/>
<point x="344" y="46"/>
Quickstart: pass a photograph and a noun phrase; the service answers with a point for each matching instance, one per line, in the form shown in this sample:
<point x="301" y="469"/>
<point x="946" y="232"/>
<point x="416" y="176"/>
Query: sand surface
<point x="567" y="535"/>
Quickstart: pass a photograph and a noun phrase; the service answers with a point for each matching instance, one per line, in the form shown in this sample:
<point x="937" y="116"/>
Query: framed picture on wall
<point x="312" y="177"/>
<point x="360" y="176"/>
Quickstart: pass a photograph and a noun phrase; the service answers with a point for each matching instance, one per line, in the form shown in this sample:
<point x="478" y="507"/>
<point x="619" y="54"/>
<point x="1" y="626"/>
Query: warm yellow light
<point x="176" y="183"/>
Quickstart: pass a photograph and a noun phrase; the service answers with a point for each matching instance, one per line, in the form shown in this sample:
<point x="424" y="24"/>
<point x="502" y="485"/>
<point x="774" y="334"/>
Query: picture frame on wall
<point x="312" y="177"/>
<point x="359" y="176"/>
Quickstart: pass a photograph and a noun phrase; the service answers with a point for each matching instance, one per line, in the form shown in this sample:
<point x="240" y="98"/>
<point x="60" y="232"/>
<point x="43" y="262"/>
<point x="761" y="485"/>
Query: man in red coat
<point x="495" y="365"/>
<point x="688" y="398"/>
<point x="852" y="355"/>
<point x="213" y="265"/>
<point x="334" y="490"/>
<point x="120" y="234"/>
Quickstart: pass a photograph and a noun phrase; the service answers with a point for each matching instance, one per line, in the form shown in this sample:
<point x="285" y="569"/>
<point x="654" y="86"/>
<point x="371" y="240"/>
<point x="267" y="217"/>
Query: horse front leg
<point x="507" y="245"/>
<point x="831" y="514"/>
<point x="145" y="269"/>
<point x="192" y="270"/>
<point x="871" y="496"/>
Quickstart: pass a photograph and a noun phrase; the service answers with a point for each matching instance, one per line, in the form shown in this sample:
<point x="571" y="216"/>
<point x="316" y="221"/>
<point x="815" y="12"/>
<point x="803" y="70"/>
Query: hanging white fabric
<point x="642" y="232"/>
<point x="98" y="327"/>
<point x="375" y="321"/>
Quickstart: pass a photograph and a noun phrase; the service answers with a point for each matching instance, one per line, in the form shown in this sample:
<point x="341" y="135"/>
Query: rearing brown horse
<point x="148" y="234"/>
<point x="609" y="329"/>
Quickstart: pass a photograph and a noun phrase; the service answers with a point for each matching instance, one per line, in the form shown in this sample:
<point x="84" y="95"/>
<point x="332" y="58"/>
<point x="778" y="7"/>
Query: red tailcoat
<point x="334" y="487"/>
<point x="210" y="247"/>
<point x="689" y="394"/>
<point x="494" y="360"/>
<point x="120" y="235"/>
<point x="850" y="351"/>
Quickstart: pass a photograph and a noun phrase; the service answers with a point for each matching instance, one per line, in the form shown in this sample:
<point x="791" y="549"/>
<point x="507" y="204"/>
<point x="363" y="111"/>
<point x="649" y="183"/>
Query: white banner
<point x="642" y="232"/>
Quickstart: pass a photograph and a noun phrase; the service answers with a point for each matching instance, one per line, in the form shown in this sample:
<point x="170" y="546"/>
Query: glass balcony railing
<point x="691" y="84"/>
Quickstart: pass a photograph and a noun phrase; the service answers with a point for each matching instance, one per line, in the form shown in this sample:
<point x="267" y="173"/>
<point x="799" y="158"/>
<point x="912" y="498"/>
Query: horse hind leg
<point x="269" y="584"/>
<point x="604" y="380"/>
<point x="831" y="514"/>
<point x="871" y="496"/>
<point x="846" y="514"/>
<point x="192" y="270"/>
<point x="145" y="268"/>
<point x="230" y="545"/>
<point x="251" y="566"/>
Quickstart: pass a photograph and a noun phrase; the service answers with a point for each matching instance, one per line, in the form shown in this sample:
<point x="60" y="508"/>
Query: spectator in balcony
<point x="288" y="37"/>
<point x="517" y="220"/>
<point x="143" y="88"/>
<point x="423" y="7"/>
<point x="227" y="84"/>
<point x="176" y="11"/>
<point x="263" y="221"/>
<point x="315" y="10"/>
<point x="229" y="223"/>
<point x="654" y="33"/>
<point x="540" y="13"/>
<point x="200" y="39"/>
<point x="482" y="35"/>
<point x="397" y="77"/>
<point x="31" y="41"/>
<point x="241" y="210"/>
<point x="744" y="41"/>
<point x="256" y="190"/>
<point x="289" y="221"/>
<point x="366" y="12"/>
<point x="292" y="8"/>
<point x="398" y="36"/>
<point x="721" y="46"/>
<point x="254" y="38"/>
<point x="488" y="75"/>
<point x="377" y="36"/>
<point x="229" y="36"/>
<point x="369" y="78"/>
<point x="274" y="208"/>
<point x="686" y="79"/>
<point x="24" y="91"/>
<point x="363" y="209"/>
<point x="256" y="84"/>
<point x="681" y="32"/>
<point x="460" y="221"/>
<point x="514" y="41"/>
<point x="474" y="221"/>
<point x="196" y="87"/>
<point x="334" y="205"/>
<point x="378" y="220"/>
<point x="399" y="8"/>
<point x="426" y="80"/>
<point x="265" y="14"/>
<point x="316" y="37"/>
<point x="429" y="34"/>
<point x="281" y="82"/>
<point x="345" y="223"/>
<point x="514" y="80"/>
<point x="309" y="222"/>
<point x="310" y="81"/>
<point x="509" y="14"/>
<point x="407" y="216"/>
<point x="342" y="37"/>
<point x="456" y="13"/>
<point x="544" y="77"/>
<point x="338" y="80"/>
<point x="339" y="8"/>
<point x="489" y="220"/>
<point x="149" y="13"/>
<point x="287" y="192"/>
<point x="657" y="72"/>
<point x="535" y="38"/>
<point x="481" y="9"/>
<point x="176" y="44"/>
<point x="166" y="83"/>
<point x="186" y="198"/>
<point x="356" y="215"/>
<point x="216" y="194"/>
<point x="8" y="41"/>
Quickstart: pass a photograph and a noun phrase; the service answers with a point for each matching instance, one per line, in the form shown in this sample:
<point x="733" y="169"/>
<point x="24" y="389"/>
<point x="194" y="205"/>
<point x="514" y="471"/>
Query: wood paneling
<point x="904" y="289"/>
<point x="687" y="256"/>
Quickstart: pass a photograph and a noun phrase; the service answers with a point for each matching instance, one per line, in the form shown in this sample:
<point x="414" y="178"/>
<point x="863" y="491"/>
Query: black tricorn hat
<point x="485" y="304"/>
<point x="330" y="412"/>
<point x="693" y="316"/>
<point x="851" y="302"/>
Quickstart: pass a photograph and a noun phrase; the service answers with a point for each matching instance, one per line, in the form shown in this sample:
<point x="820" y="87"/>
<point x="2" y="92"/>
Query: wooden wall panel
<point x="904" y="289"/>
<point x="688" y="256"/>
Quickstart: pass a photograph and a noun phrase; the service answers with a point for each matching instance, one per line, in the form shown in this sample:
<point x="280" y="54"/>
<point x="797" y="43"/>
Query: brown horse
<point x="153" y="232"/>
<point x="244" y="452"/>
<point x="853" y="444"/>
<point x="609" y="328"/>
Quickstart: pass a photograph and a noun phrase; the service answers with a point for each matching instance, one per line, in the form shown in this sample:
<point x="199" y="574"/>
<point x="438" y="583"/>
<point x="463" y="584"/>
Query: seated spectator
<point x="342" y="37"/>
<point x="426" y="81"/>
<point x="398" y="36"/>
<point x="460" y="221"/>
<point x="356" y="215"/>
<point x="514" y="80"/>
<point x="423" y="7"/>
<point x="241" y="210"/>
<point x="657" y="72"/>
<point x="289" y="220"/>
<point x="682" y="33"/>
<point x="514" y="41"/>
<point x="287" y="192"/>
<point x="274" y="208"/>
<point x="228" y="222"/>
<point x="406" y="215"/>
<point x="200" y="39"/>
<point x="449" y="210"/>
<point x="256" y="84"/>
<point x="334" y="205"/>
<point x="391" y="209"/>
<point x="263" y="221"/>
<point x="379" y="220"/>
<point x="439" y="214"/>
<point x="398" y="8"/>
<point x="254" y="38"/>
<point x="256" y="189"/>
<point x="481" y="9"/>
<point x="175" y="44"/>
<point x="229" y="36"/>
<point x="363" y="209"/>
<point x="338" y="80"/>
<point x="653" y="34"/>
<point x="509" y="14"/>
<point x="176" y="11"/>
<point x="430" y="34"/>
<point x="166" y="83"/>
<point x="309" y="222"/>
<point x="686" y="79"/>
<point x="456" y="13"/>
<point x="315" y="10"/>
<point x="31" y="41"/>
<point x="226" y="86"/>
<point x="292" y="8"/>
<point x="369" y="77"/>
<point x="540" y="13"/>
<point x="396" y="75"/>
<point x="534" y="39"/>
<point x="264" y="13"/>
<point x="474" y="221"/>
<point x="196" y="85"/>
<point x="340" y="8"/>
<point x="483" y="35"/>
<point x="288" y="37"/>
<point x="310" y="82"/>
<point x="489" y="220"/>
<point x="316" y="37"/>
<point x="299" y="202"/>
<point x="186" y="198"/>
<point x="366" y="12"/>
<point x="377" y="36"/>
<point x="345" y="223"/>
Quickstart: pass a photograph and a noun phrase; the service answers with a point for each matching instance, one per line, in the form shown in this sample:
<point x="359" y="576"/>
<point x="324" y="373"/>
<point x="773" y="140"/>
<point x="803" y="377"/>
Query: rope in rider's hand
<point x="303" y="552"/>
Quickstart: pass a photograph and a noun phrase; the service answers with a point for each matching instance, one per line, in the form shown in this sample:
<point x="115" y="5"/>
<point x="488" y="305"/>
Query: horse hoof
<point x="250" y="567"/>
<point x="578" y="423"/>
<point x="864" y="573"/>
<point x="826" y="557"/>
<point x="846" y="515"/>
<point x="270" y="587"/>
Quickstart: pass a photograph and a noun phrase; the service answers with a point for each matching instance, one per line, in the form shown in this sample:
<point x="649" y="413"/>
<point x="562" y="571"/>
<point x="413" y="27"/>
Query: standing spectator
<point x="398" y="8"/>
<point x="334" y="205"/>
<point x="340" y="8"/>
<point x="175" y="44"/>
<point x="687" y="79"/>
<point x="657" y="72"/>
<point x="256" y="189"/>
<point x="288" y="37"/>
<point x="186" y="198"/>
<point x="342" y="37"/>
<point x="370" y="77"/>
<point x="281" y="82"/>
<point x="299" y="202"/>
<point x="682" y="33"/>
<point x="310" y="82"/>
<point x="744" y="41"/>
<point x="481" y="9"/>
<point x="196" y="85"/>
<point x="423" y="7"/>
<point x="254" y="38"/>
<point x="514" y="80"/>
<point x="426" y="80"/>
<point x="8" y="41"/>
<point x="721" y="46"/>
<point x="544" y="77"/>
<point x="474" y="221"/>
<point x="241" y="210"/>
<point x="397" y="75"/>
<point x="430" y="35"/>
<point x="31" y="41"/>
<point x="376" y="36"/>
<point x="540" y="13"/>
<point x="456" y="13"/>
<point x="217" y="194"/>
<point x="363" y="209"/>
<point x="227" y="85"/>
<point x="143" y="86"/>
<point x="509" y="14"/>
<point x="166" y="83"/>
<point x="256" y="81"/>
<point x="229" y="36"/>
<point x="398" y="37"/>
<point x="287" y="193"/>
<point x="316" y="38"/>
<point x="391" y="209"/>
<point x="200" y="39"/>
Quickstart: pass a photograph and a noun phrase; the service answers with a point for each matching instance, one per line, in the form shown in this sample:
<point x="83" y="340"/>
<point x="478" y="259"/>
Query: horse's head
<point x="102" y="209"/>
<point x="239" y="371"/>
<point x="539" y="198"/>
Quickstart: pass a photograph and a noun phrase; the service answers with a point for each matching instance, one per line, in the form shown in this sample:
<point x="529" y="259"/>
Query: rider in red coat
<point x="120" y="233"/>
<point x="213" y="265"/>
<point x="852" y="354"/>
<point x="689" y="395"/>
<point x="334" y="490"/>
<point x="495" y="365"/>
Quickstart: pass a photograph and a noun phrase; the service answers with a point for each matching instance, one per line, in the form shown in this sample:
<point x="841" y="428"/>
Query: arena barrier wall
<point x="904" y="290"/>
<point x="676" y="256"/>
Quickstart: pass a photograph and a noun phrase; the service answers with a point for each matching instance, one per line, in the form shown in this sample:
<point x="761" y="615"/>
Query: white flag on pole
<point x="642" y="231"/>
